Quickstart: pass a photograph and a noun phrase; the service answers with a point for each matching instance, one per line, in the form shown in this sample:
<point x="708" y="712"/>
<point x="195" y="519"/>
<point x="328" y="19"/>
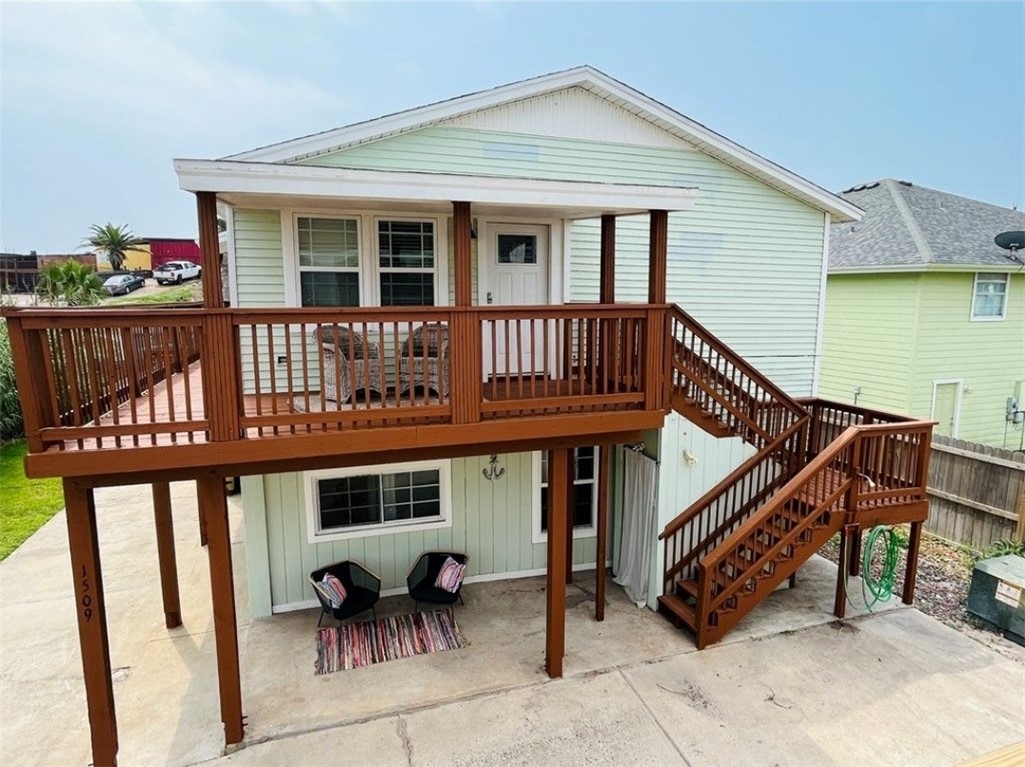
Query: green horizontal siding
<point x="259" y="263"/>
<point x="989" y="356"/>
<point x="869" y="339"/>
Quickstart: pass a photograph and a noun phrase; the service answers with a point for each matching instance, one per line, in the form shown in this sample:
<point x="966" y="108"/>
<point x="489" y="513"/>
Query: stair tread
<point x="689" y="587"/>
<point x="678" y="608"/>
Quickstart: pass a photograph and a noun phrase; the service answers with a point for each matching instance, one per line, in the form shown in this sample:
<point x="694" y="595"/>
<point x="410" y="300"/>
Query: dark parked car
<point x="123" y="284"/>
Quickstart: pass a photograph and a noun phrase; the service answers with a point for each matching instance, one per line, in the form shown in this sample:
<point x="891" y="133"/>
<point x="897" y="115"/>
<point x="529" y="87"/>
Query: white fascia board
<point x="589" y="78"/>
<point x="411" y="119"/>
<point x="589" y="199"/>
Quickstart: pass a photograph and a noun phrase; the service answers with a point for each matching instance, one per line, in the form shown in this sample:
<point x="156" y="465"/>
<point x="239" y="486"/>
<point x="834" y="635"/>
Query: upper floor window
<point x="328" y="261"/>
<point x="989" y="299"/>
<point x="406" y="261"/>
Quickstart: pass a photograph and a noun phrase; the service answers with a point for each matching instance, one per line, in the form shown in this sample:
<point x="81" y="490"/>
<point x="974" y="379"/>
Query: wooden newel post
<point x="558" y="517"/>
<point x="92" y="622"/>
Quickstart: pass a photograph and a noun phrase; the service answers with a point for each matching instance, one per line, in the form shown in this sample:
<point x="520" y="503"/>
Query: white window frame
<point x="310" y="485"/>
<point x="369" y="259"/>
<point x="360" y="255"/>
<point x="975" y="293"/>
<point x="440" y="257"/>
<point x="538" y="535"/>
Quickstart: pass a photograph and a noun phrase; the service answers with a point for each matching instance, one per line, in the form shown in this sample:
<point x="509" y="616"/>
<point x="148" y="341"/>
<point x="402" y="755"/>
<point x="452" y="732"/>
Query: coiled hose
<point x="881" y="588"/>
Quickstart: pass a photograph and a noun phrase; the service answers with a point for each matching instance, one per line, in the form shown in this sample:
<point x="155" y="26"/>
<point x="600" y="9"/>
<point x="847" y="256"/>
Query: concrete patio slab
<point x="893" y="687"/>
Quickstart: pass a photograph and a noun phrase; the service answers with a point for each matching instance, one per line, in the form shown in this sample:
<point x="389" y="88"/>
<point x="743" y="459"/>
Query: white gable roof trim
<point x="573" y="199"/>
<point x="585" y="77"/>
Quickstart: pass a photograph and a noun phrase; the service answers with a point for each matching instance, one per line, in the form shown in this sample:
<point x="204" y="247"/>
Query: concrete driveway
<point x="789" y="686"/>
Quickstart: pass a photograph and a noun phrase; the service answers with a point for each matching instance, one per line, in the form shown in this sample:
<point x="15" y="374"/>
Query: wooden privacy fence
<point x="976" y="493"/>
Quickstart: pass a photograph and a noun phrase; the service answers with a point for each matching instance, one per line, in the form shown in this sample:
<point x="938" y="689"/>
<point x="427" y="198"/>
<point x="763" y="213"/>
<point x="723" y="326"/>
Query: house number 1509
<point x="86" y="599"/>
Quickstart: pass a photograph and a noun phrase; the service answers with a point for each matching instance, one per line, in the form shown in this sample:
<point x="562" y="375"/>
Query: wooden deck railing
<point x="116" y="378"/>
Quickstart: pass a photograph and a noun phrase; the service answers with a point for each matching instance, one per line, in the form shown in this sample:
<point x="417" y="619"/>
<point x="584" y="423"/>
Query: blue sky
<point x="98" y="98"/>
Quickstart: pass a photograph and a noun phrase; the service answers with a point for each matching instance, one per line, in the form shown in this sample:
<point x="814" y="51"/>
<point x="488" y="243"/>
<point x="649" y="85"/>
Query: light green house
<point x="925" y="314"/>
<point x="746" y="256"/>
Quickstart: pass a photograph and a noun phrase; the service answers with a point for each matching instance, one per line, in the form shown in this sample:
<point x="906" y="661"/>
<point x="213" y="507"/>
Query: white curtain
<point x="638" y="525"/>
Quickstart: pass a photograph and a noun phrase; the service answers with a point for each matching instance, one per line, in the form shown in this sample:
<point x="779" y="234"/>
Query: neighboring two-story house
<point x="925" y="314"/>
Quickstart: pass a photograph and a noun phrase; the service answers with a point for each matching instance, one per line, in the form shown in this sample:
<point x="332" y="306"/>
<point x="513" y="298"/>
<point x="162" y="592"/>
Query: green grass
<point x="25" y="504"/>
<point x="181" y="294"/>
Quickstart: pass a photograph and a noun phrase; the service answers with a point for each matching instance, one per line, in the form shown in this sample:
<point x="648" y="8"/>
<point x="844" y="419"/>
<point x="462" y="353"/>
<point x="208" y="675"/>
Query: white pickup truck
<point x="176" y="272"/>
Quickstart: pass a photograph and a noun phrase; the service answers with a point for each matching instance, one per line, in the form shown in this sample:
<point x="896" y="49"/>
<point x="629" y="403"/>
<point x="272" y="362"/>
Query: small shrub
<point x="1003" y="547"/>
<point x="69" y="283"/>
<point x="11" y="424"/>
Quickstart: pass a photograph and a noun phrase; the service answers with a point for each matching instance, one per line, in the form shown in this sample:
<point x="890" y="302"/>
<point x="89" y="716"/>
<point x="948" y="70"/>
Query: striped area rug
<point x="363" y="644"/>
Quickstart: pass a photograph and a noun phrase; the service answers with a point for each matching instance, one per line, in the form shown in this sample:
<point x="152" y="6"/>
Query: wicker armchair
<point x="424" y="360"/>
<point x="420" y="580"/>
<point x="362" y="586"/>
<point x="352" y="363"/>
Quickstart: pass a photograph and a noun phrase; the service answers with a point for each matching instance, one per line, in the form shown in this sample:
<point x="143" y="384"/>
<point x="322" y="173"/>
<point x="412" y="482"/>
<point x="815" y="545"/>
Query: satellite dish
<point x="1011" y="241"/>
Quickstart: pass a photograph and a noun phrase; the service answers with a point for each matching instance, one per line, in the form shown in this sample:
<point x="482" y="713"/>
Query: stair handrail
<point x="699" y="330"/>
<point x="789" y="491"/>
<point x="676" y="523"/>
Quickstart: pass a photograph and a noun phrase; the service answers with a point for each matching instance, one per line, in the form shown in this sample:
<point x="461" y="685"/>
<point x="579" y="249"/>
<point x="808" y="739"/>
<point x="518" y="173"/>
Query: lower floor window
<point x="584" y="497"/>
<point x="373" y="500"/>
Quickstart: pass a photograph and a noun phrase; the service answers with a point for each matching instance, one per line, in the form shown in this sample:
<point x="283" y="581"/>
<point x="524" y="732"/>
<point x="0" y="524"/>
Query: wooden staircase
<point x="812" y="473"/>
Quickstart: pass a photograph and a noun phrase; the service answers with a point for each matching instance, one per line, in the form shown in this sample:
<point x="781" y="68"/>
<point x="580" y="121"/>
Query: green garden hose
<point x="880" y="588"/>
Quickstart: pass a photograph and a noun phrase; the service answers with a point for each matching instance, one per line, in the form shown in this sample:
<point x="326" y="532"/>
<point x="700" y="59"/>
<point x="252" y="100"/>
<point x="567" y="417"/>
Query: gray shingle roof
<point x="914" y="226"/>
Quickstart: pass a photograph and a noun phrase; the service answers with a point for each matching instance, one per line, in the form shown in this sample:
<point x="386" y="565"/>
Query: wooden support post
<point x="601" y="544"/>
<point x="854" y="563"/>
<point x="840" y="600"/>
<point x="570" y="500"/>
<point x="911" y="573"/>
<point x="214" y="507"/>
<point x="92" y="622"/>
<point x="202" y="527"/>
<point x="209" y="244"/>
<point x="166" y="554"/>
<point x="558" y="517"/>
<point x="462" y="230"/>
<point x="658" y="247"/>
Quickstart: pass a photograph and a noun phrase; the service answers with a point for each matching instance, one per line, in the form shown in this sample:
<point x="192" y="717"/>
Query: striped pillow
<point x="450" y="576"/>
<point x="335" y="590"/>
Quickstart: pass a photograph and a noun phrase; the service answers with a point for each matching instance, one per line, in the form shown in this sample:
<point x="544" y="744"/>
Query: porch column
<point x="555" y="617"/>
<point x="462" y="226"/>
<point x="607" y="277"/>
<point x="658" y="245"/>
<point x="601" y="545"/>
<point x="840" y="597"/>
<point x="92" y="622"/>
<point x="209" y="244"/>
<point x="166" y="554"/>
<point x="214" y="507"/>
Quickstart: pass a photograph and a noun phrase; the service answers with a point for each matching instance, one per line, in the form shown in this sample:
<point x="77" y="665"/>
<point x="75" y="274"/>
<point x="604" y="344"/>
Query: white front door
<point x="517" y="275"/>
<point x="946" y="407"/>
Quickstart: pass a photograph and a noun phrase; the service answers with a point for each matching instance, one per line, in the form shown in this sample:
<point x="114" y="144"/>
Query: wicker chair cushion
<point x="348" y="342"/>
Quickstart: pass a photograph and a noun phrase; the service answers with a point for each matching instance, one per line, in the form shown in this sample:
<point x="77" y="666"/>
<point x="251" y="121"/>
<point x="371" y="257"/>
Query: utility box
<point x="997" y="595"/>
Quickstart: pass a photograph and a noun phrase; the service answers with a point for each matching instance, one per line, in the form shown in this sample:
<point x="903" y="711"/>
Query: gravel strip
<point x="944" y="575"/>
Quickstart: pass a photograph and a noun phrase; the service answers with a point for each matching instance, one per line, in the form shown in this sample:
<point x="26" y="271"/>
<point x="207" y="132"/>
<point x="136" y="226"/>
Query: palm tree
<point x="69" y="283"/>
<point x="115" y="241"/>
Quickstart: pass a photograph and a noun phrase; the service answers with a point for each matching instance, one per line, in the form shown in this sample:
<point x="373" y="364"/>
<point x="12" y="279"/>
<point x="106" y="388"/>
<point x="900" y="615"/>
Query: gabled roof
<point x="590" y="79"/>
<point x="911" y="228"/>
